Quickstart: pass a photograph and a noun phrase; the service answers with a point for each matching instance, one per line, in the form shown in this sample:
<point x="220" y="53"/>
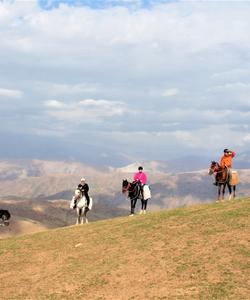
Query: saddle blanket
<point x="146" y="192"/>
<point x="234" y="178"/>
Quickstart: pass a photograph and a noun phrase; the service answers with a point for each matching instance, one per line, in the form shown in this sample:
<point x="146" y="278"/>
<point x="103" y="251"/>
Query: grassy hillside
<point x="198" y="252"/>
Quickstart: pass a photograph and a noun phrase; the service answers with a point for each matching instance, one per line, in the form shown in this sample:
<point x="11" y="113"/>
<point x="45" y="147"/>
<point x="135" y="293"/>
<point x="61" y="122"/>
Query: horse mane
<point x="213" y="162"/>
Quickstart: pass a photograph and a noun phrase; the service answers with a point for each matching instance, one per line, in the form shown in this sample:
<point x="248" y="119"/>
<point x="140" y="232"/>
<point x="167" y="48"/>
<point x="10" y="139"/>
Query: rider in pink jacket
<point x="140" y="176"/>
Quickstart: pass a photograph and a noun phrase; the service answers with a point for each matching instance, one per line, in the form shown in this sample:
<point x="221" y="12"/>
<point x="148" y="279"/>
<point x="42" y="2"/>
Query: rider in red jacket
<point x="227" y="159"/>
<point x="140" y="176"/>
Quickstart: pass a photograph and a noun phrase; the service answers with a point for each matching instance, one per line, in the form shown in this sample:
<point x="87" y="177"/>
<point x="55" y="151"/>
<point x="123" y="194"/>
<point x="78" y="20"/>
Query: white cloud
<point x="170" y="92"/>
<point x="10" y="93"/>
<point x="180" y="69"/>
<point x="54" y="104"/>
<point x="103" y="107"/>
<point x="246" y="139"/>
<point x="88" y="110"/>
<point x="232" y="87"/>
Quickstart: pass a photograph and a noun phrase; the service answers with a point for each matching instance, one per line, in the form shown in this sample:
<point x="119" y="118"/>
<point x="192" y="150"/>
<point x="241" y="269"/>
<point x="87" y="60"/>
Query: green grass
<point x="197" y="252"/>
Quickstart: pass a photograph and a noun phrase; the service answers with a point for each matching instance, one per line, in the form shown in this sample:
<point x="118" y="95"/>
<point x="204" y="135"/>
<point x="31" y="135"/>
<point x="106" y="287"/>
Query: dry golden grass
<point x="199" y="252"/>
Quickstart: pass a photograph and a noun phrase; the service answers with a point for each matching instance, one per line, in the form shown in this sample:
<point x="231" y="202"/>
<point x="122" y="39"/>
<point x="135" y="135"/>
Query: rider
<point x="141" y="178"/>
<point x="227" y="161"/>
<point x="84" y="188"/>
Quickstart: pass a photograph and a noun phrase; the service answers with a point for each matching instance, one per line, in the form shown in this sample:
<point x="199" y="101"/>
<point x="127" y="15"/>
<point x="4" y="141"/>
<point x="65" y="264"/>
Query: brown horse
<point x="222" y="178"/>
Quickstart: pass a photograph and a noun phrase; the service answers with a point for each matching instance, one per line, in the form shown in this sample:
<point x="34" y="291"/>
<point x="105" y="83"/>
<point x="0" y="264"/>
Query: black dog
<point x="4" y="217"/>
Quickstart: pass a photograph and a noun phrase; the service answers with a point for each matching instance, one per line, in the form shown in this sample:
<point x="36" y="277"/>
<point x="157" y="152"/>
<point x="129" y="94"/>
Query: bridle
<point x="133" y="190"/>
<point x="215" y="167"/>
<point x="126" y="189"/>
<point x="79" y="196"/>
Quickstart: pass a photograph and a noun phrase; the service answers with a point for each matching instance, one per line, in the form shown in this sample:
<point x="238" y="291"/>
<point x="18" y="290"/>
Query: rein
<point x="219" y="170"/>
<point x="126" y="189"/>
<point x="132" y="191"/>
<point x="216" y="169"/>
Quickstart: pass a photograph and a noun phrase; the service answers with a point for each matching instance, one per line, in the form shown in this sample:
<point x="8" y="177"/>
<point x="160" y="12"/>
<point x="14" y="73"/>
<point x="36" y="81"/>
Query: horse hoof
<point x="131" y="215"/>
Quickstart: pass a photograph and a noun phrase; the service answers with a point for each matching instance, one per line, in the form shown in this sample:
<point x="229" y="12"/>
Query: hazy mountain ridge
<point x="54" y="180"/>
<point x="29" y="184"/>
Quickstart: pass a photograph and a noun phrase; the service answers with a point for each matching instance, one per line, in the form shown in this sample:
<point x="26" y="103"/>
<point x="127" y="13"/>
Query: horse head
<point x="213" y="167"/>
<point x="78" y="200"/>
<point x="125" y="186"/>
<point x="78" y="194"/>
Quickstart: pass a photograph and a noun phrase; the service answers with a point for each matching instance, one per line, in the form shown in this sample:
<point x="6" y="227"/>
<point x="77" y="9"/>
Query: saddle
<point x="234" y="180"/>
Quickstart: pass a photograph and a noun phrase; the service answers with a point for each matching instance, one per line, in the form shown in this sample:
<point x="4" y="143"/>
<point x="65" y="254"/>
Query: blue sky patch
<point x="102" y="4"/>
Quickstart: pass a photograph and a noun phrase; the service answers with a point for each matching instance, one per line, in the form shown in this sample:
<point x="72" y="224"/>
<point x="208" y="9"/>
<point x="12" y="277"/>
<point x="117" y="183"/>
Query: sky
<point x="116" y="81"/>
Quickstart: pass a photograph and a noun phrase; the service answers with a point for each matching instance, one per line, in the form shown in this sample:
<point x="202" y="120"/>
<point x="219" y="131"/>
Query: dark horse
<point x="134" y="192"/>
<point x="222" y="178"/>
<point x="4" y="217"/>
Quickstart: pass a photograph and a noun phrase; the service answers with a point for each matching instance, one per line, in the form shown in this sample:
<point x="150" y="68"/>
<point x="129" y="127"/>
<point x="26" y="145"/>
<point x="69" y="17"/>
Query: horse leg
<point x="133" y="203"/>
<point x="78" y="216"/>
<point x="223" y="192"/>
<point x="142" y="206"/>
<point x="219" y="192"/>
<point x="81" y="215"/>
<point x="85" y="215"/>
<point x="146" y="204"/>
<point x="234" y="190"/>
<point x="230" y="191"/>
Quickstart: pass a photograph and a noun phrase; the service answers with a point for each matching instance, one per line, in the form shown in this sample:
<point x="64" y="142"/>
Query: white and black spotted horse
<point x="79" y="202"/>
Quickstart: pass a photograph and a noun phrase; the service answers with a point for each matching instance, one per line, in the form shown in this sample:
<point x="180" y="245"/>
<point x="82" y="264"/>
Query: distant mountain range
<point x="40" y="191"/>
